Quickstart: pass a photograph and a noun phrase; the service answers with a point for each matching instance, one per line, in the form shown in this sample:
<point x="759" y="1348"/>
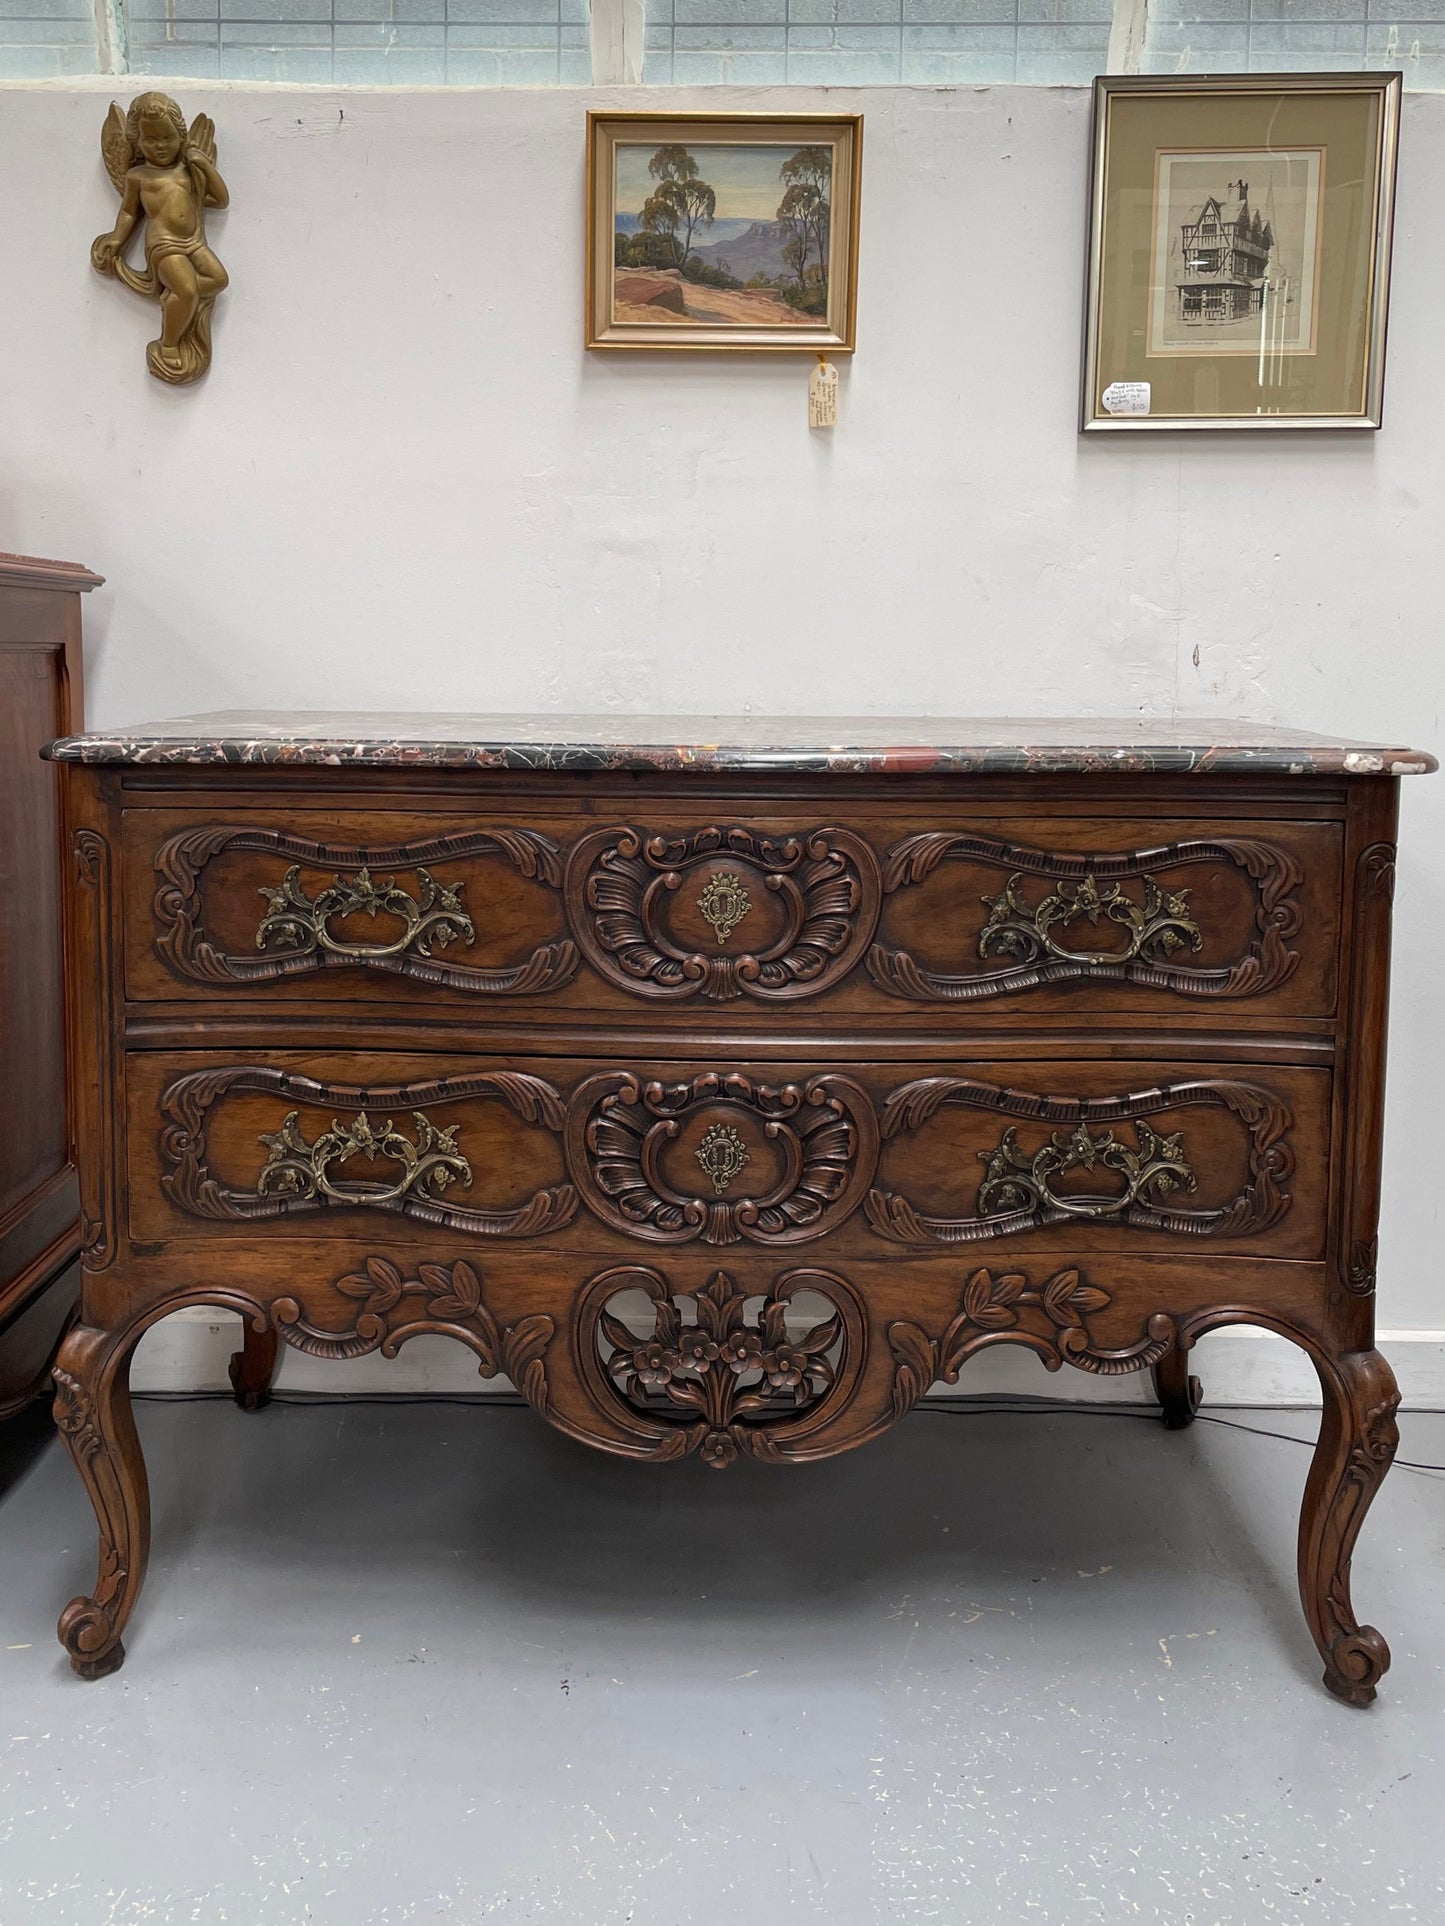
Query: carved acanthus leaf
<point x="1050" y="1318"/>
<point x="390" y="1308"/>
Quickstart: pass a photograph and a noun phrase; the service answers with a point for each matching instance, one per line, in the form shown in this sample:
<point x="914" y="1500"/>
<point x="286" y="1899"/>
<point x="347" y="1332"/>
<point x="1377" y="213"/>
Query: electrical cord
<point x="950" y="1407"/>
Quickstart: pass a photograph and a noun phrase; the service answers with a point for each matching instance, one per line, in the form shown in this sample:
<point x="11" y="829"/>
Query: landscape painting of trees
<point x="714" y="233"/>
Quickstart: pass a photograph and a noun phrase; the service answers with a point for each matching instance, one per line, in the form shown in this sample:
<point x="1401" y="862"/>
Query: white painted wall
<point x="404" y="483"/>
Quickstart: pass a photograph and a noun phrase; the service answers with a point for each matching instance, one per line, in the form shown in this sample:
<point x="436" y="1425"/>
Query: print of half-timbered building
<point x="1226" y="250"/>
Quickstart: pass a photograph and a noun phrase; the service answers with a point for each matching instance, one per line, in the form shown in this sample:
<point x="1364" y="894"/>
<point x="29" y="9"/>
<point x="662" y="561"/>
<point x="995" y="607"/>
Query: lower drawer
<point x="631" y="1156"/>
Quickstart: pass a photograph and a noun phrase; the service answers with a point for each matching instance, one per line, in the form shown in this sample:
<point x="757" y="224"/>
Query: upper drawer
<point x="879" y="911"/>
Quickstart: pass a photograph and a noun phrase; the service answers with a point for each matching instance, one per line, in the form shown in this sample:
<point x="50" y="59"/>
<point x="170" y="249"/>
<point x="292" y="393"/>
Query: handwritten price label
<point x="823" y="397"/>
<point x="1127" y="398"/>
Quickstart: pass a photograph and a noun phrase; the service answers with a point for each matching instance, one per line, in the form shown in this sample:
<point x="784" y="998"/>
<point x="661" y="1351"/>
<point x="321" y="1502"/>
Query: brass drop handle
<point x="294" y="921"/>
<point x="1156" y="928"/>
<point x="1016" y="1182"/>
<point x="294" y="1168"/>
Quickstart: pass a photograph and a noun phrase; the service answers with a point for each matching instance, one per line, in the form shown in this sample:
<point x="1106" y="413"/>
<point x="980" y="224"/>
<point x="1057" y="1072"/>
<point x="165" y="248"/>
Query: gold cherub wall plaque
<point x="166" y="174"/>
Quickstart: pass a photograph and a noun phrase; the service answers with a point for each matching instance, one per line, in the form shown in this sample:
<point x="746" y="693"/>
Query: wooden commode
<point x="725" y="1084"/>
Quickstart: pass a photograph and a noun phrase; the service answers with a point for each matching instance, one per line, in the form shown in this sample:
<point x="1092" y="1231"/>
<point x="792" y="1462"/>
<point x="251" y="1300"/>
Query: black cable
<point x="1233" y="1424"/>
<point x="955" y="1407"/>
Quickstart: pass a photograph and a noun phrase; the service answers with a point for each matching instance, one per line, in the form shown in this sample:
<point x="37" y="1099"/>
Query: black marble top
<point x="902" y="745"/>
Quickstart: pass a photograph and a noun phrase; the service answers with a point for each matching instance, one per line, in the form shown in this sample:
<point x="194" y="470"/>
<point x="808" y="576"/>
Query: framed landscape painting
<point x="736" y="231"/>
<point x="1239" y="258"/>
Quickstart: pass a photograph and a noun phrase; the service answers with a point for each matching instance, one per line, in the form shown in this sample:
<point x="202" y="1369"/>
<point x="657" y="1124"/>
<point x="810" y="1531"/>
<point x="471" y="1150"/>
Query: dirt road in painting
<point x="662" y="295"/>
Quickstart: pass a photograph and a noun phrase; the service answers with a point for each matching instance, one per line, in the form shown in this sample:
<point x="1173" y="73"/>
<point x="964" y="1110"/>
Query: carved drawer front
<point x="638" y="1156"/>
<point x="1112" y="915"/>
<point x="679" y="911"/>
<point x="724" y="911"/>
<point x="1105" y="1156"/>
<point x="365" y="905"/>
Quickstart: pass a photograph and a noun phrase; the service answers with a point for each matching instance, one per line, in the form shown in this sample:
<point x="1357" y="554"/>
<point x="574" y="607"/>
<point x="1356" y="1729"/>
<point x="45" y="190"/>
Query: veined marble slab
<point x="903" y="745"/>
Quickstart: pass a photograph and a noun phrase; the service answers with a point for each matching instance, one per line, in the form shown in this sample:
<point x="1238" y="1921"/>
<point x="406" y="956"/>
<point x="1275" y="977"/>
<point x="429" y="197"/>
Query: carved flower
<point x="654" y="1363"/>
<point x="718" y="1450"/>
<point x="697" y="1347"/>
<point x="743" y="1350"/>
<point x="787" y="1366"/>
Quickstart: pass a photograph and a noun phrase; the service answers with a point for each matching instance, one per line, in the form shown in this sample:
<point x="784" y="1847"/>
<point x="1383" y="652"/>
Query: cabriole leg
<point x="1357" y="1442"/>
<point x="1179" y="1393"/>
<point x="253" y="1367"/>
<point x="93" y="1416"/>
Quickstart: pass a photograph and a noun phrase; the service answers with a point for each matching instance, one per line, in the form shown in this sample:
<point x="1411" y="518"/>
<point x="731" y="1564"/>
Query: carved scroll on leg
<point x="1358" y="1438"/>
<point x="93" y="1416"/>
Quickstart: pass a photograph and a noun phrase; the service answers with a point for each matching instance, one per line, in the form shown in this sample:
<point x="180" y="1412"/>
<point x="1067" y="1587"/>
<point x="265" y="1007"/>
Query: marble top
<point x="901" y="745"/>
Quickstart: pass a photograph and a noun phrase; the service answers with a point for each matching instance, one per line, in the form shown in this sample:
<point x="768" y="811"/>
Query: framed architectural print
<point x="722" y="230"/>
<point x="1239" y="251"/>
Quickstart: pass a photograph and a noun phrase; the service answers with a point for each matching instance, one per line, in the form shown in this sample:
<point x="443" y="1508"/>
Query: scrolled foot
<point x="1355" y="1665"/>
<point x="98" y="1668"/>
<point x="87" y="1627"/>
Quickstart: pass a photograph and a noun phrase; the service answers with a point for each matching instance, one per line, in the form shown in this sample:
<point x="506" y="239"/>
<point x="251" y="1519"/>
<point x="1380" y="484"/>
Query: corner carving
<point x="1050" y="1319"/>
<point x="822" y="888"/>
<point x="720" y="1371"/>
<point x="296" y="929"/>
<point x="1154" y="928"/>
<point x="298" y="1174"/>
<point x="1016" y="1192"/>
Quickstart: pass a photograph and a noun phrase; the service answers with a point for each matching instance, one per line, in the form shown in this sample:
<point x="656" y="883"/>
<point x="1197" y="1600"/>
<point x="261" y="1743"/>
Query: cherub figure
<point x="166" y="174"/>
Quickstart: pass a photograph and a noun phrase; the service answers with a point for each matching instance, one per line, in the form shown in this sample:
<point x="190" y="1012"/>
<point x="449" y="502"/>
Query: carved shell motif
<point x="721" y="1158"/>
<point x="658" y="915"/>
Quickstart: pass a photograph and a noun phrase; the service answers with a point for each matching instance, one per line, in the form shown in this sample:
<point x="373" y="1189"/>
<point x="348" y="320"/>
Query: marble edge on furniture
<point x="909" y="745"/>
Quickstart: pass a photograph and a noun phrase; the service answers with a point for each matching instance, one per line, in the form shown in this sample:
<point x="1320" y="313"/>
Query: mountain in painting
<point x="720" y="231"/>
<point x="758" y="249"/>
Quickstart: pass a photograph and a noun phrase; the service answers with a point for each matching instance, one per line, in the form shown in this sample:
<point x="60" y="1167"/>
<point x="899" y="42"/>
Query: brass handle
<point x="1016" y="1182"/>
<point x="1156" y="928"/>
<point x="294" y="921"/>
<point x="294" y="1168"/>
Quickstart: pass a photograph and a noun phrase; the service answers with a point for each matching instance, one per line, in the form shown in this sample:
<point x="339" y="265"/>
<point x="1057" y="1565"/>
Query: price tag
<point x="1127" y="398"/>
<point x="823" y="396"/>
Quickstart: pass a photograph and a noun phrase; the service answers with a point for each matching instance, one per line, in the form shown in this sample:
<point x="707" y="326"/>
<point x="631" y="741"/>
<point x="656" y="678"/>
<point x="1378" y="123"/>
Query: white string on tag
<point x="823" y="395"/>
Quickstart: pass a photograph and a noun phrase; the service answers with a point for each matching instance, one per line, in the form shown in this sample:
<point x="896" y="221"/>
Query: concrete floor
<point x="402" y="1663"/>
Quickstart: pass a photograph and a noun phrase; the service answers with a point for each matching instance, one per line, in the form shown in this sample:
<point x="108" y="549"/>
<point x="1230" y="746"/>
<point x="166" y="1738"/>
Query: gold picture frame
<point x="734" y="232"/>
<point x="1239" y="251"/>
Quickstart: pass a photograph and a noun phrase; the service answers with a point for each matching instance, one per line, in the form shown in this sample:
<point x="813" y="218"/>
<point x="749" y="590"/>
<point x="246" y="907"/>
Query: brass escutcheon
<point x="724" y="903"/>
<point x="722" y="1154"/>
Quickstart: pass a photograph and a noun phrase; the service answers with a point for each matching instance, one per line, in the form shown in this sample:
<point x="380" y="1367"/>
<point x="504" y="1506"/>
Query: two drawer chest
<point x="725" y="1095"/>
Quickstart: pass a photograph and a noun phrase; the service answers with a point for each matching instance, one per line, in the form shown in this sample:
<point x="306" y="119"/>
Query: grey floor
<point x="403" y="1663"/>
